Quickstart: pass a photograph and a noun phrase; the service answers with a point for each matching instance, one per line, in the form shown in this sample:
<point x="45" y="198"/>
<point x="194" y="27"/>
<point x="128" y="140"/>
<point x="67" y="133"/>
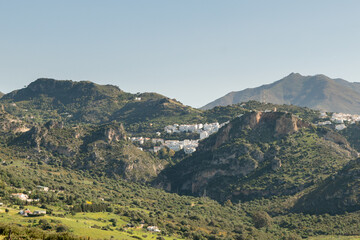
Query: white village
<point x="188" y="146"/>
<point x="339" y="120"/>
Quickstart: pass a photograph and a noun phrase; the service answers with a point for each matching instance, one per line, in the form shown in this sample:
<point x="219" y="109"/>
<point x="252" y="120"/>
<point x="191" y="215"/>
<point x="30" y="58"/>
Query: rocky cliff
<point x="99" y="149"/>
<point x="9" y="123"/>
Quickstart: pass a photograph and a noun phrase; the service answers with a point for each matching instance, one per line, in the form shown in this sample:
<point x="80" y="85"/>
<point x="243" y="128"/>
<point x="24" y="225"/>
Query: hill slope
<point x="259" y="155"/>
<point x="338" y="194"/>
<point x="318" y="92"/>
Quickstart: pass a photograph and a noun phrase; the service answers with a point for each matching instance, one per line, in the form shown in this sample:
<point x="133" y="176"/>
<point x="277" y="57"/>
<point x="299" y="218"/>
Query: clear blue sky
<point x="191" y="50"/>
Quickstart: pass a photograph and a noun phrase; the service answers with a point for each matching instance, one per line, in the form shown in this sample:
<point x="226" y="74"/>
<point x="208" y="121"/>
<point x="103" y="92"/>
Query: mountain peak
<point x="46" y="84"/>
<point x="293" y="74"/>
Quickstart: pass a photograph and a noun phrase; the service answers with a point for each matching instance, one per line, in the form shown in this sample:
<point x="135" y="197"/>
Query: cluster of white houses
<point x="189" y="146"/>
<point x="204" y="130"/>
<point x="345" y="117"/>
<point x="142" y="140"/>
<point x="339" y="119"/>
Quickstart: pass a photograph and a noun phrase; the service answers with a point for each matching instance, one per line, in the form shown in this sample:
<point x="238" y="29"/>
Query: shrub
<point x="261" y="219"/>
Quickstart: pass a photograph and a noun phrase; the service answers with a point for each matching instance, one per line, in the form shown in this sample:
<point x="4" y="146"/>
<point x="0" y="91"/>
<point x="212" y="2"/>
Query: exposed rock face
<point x="9" y="123"/>
<point x="275" y="164"/>
<point x="277" y="123"/>
<point x="254" y="119"/>
<point x="115" y="134"/>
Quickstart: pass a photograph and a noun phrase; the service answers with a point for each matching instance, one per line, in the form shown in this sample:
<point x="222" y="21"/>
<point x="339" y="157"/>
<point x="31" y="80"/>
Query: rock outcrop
<point x="115" y="134"/>
<point x="9" y="123"/>
<point x="277" y="124"/>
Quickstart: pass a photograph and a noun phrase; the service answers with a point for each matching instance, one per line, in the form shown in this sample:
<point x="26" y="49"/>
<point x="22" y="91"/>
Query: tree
<point x="261" y="219"/>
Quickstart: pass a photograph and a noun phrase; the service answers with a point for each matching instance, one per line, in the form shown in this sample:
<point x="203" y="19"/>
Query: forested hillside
<point x="71" y="169"/>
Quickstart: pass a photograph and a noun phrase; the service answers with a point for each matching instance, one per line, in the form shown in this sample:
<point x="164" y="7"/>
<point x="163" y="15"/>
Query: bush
<point x="261" y="219"/>
<point x="61" y="228"/>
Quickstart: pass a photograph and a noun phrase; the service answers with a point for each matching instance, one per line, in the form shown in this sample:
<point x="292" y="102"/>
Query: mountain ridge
<point x="87" y="102"/>
<point x="318" y="92"/>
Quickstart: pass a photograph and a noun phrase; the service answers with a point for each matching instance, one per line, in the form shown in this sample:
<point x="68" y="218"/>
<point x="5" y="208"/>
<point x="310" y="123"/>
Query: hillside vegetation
<point x="87" y="102"/>
<point x="270" y="173"/>
<point x="338" y="194"/>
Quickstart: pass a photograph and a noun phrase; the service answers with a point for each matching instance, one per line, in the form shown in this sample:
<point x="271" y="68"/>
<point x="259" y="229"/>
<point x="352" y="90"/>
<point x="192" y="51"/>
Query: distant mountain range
<point x="1" y="94"/>
<point x="318" y="92"/>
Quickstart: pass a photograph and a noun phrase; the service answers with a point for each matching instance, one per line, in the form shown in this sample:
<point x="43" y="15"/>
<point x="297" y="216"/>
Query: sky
<point x="193" y="50"/>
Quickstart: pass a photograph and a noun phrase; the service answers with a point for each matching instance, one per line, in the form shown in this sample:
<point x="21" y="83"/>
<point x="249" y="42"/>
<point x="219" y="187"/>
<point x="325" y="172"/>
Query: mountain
<point x="318" y="92"/>
<point x="260" y="154"/>
<point x="1" y="94"/>
<point x="87" y="102"/>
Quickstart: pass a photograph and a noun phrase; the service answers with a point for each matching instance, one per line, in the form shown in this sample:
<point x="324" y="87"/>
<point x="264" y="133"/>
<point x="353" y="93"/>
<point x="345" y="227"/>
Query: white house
<point x="20" y="196"/>
<point x="323" y="115"/>
<point x="203" y="135"/>
<point x="153" y="229"/>
<point x="340" y="127"/>
<point x="157" y="148"/>
<point x="189" y="150"/>
<point x="39" y="212"/>
<point x="157" y="140"/>
<point x="324" y="123"/>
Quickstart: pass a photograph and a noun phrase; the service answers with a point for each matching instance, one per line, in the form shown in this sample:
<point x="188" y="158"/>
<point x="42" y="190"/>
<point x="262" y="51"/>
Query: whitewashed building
<point x="340" y="127"/>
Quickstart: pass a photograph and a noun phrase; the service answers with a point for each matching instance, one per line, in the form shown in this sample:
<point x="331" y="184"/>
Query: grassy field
<point x="83" y="224"/>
